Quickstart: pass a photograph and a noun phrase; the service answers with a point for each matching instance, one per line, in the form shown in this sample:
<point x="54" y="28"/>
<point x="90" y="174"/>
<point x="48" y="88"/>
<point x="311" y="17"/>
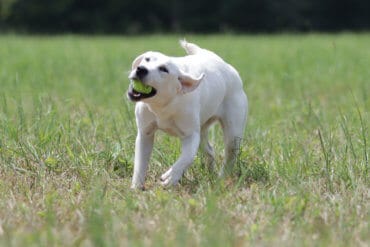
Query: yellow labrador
<point x="188" y="94"/>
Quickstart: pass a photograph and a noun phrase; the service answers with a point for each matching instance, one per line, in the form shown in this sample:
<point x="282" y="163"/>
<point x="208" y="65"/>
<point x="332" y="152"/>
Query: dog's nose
<point x="141" y="71"/>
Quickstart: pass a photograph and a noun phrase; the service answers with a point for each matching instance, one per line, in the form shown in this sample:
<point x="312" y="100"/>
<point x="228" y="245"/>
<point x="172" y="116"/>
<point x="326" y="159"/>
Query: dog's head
<point x="163" y="75"/>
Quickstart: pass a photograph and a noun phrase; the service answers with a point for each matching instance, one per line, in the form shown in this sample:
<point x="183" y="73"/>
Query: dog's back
<point x="215" y="68"/>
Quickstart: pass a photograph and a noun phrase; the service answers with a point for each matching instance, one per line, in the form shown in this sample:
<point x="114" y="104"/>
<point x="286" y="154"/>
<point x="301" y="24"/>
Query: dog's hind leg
<point x="207" y="149"/>
<point x="233" y="123"/>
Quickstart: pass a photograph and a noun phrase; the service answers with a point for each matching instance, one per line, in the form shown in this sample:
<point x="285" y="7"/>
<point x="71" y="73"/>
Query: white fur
<point x="199" y="89"/>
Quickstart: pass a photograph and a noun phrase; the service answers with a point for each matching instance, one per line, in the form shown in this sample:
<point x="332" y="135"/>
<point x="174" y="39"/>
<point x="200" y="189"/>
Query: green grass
<point x="67" y="140"/>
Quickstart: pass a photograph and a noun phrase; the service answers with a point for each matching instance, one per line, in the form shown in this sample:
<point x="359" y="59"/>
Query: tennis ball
<point x="140" y="87"/>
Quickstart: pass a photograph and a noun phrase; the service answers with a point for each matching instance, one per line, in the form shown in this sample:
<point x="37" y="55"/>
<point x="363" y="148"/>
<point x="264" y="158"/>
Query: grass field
<point x="67" y="139"/>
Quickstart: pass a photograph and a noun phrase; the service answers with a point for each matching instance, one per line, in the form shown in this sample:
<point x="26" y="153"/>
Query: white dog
<point x="189" y="94"/>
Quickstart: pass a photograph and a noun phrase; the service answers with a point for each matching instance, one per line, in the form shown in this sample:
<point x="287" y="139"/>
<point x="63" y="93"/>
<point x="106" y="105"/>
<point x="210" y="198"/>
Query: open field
<point x="67" y="139"/>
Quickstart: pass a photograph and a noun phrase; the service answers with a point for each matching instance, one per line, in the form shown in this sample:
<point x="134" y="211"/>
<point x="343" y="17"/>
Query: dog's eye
<point x="147" y="59"/>
<point x="163" y="69"/>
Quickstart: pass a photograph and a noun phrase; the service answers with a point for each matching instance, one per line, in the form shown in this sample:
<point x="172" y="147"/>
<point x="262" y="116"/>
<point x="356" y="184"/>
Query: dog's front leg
<point x="190" y="145"/>
<point x="143" y="150"/>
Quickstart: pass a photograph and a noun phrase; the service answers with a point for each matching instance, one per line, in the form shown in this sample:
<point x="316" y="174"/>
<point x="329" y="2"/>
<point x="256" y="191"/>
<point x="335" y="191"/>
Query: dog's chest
<point x="170" y="127"/>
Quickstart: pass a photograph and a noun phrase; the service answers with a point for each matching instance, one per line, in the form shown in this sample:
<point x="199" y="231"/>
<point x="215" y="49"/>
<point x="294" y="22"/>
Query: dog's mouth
<point x="137" y="96"/>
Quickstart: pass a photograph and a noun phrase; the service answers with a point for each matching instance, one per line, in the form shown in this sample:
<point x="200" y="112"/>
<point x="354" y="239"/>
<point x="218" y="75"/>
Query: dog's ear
<point x="188" y="82"/>
<point x="137" y="61"/>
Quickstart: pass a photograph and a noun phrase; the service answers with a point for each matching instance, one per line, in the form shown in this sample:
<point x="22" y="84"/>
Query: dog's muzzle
<point x="141" y="72"/>
<point x="135" y="96"/>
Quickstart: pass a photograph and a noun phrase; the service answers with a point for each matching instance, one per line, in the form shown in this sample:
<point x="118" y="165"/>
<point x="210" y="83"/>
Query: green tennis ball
<point x="140" y="87"/>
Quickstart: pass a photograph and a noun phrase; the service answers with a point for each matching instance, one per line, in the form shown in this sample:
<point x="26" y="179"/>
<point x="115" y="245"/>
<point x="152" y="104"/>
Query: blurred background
<point x="196" y="16"/>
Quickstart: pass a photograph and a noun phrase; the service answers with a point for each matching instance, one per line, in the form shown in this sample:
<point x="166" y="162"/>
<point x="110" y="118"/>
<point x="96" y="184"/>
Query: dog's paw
<point x="137" y="187"/>
<point x="170" y="177"/>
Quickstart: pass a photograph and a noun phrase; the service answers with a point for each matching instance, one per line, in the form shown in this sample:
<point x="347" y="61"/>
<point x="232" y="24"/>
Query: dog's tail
<point x="190" y="48"/>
